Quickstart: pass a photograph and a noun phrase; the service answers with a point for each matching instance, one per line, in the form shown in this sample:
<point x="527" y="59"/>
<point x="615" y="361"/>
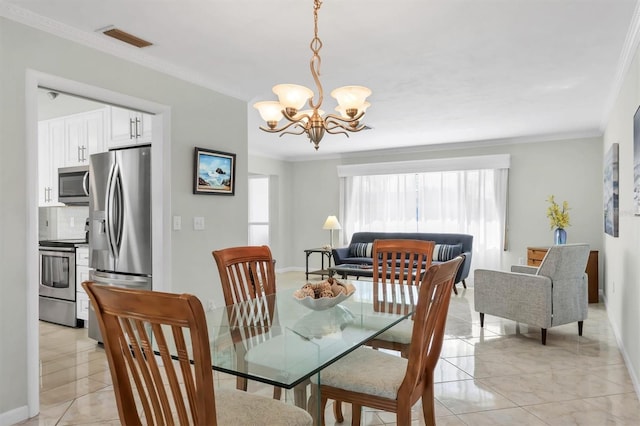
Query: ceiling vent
<point x="124" y="36"/>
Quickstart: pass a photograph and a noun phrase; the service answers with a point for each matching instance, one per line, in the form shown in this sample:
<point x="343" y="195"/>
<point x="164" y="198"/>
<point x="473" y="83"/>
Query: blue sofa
<point x="450" y="245"/>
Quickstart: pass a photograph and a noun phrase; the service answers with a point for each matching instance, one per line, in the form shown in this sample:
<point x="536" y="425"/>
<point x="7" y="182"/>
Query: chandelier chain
<point x="316" y="61"/>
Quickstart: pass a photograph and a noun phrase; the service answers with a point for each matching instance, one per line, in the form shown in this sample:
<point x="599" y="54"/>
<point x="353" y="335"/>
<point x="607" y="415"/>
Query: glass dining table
<point x="278" y="341"/>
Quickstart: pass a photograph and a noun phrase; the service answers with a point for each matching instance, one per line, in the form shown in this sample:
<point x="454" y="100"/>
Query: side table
<point x="325" y="253"/>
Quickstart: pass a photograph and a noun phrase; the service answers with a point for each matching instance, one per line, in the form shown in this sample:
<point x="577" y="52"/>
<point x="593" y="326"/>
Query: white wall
<point x="199" y="117"/>
<point x="622" y="269"/>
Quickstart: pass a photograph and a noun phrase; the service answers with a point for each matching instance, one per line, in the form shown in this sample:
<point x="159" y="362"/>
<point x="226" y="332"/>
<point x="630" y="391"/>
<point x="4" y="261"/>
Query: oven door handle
<point x="85" y="183"/>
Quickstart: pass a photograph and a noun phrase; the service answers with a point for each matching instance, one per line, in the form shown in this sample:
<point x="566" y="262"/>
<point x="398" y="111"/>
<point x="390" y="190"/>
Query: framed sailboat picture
<point x="214" y="172"/>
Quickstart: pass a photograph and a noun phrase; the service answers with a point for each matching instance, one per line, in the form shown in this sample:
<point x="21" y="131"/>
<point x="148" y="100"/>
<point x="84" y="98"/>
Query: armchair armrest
<point x="532" y="270"/>
<point x="339" y="254"/>
<point x="520" y="297"/>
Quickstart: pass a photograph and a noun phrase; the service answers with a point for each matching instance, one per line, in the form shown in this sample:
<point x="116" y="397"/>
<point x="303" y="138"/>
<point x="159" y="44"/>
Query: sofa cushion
<point x="444" y="252"/>
<point x="361" y="249"/>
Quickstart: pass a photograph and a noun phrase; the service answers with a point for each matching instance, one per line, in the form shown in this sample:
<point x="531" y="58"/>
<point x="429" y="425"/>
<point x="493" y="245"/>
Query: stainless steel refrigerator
<point x="119" y="221"/>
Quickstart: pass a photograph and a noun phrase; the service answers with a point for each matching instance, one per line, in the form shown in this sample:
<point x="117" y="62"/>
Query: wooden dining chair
<point x="380" y="380"/>
<point x="246" y="273"/>
<point x="142" y="330"/>
<point x="402" y="262"/>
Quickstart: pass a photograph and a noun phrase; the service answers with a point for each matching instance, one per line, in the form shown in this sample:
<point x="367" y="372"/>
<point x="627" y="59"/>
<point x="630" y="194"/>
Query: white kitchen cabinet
<point x="82" y="274"/>
<point x="128" y="127"/>
<point x="50" y="147"/>
<point x="84" y="135"/>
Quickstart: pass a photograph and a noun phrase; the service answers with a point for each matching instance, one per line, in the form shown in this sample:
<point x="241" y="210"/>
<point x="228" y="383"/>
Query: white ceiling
<point x="441" y="71"/>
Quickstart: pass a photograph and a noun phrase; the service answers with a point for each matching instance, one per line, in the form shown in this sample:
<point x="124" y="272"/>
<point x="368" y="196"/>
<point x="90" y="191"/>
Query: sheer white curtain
<point x="464" y="201"/>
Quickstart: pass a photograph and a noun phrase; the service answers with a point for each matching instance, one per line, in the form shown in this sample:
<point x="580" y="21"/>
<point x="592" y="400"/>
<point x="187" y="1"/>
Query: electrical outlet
<point x="211" y="305"/>
<point x="177" y="223"/>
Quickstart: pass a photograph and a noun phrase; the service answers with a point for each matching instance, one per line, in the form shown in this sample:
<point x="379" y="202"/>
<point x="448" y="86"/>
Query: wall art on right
<point x="636" y="162"/>
<point x="611" y="202"/>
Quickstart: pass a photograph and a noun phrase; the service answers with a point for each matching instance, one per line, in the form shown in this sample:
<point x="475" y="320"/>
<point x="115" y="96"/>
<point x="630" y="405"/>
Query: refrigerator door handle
<point x="111" y="210"/>
<point x="119" y="211"/>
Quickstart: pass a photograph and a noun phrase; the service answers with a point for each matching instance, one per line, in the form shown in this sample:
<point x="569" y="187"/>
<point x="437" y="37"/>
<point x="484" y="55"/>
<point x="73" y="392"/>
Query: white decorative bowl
<point x="324" y="303"/>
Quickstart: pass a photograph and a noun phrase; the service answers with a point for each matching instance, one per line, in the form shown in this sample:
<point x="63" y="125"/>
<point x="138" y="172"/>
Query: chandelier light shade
<point x="313" y="122"/>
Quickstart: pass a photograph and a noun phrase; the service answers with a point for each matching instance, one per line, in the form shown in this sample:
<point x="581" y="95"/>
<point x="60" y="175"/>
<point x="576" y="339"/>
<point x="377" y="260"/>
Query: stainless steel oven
<point x="58" y="285"/>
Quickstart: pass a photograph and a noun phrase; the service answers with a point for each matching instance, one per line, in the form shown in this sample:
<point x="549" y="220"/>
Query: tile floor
<point x="499" y="375"/>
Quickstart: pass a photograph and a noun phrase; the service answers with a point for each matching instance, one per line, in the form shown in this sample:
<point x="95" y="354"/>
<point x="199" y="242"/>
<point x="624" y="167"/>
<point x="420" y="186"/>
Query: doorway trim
<point x="160" y="200"/>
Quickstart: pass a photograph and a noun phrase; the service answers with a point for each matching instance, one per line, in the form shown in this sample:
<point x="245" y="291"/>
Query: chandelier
<point x="313" y="122"/>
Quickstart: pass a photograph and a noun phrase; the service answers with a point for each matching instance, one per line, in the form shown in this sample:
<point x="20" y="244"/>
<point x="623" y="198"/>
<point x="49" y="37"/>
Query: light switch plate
<point x="198" y="223"/>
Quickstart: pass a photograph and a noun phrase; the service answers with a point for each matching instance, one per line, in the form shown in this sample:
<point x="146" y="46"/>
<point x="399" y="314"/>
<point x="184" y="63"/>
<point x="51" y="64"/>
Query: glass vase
<point x="559" y="236"/>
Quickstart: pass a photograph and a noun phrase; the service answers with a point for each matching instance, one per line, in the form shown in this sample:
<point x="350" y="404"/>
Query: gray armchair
<point x="552" y="294"/>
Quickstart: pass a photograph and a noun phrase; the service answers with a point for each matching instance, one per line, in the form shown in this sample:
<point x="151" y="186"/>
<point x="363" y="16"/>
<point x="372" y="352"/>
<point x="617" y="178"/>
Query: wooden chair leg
<point x="580" y="323"/>
<point x="455" y="290"/>
<point x="356" y="414"/>
<point x="464" y="284"/>
<point x="428" y="406"/>
<point x="337" y="411"/>
<point x="277" y="393"/>
<point x="241" y="383"/>
<point x="544" y="336"/>
<point x="481" y="320"/>
<point x="300" y="395"/>
<point x="312" y="405"/>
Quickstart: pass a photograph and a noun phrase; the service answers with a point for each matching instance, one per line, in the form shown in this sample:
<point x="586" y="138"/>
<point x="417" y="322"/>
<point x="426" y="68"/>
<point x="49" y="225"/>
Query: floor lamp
<point x="331" y="223"/>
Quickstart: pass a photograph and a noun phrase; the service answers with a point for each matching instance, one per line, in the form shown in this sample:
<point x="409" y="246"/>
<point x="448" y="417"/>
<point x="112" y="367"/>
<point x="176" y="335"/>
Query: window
<point x="258" y="210"/>
<point x="422" y="196"/>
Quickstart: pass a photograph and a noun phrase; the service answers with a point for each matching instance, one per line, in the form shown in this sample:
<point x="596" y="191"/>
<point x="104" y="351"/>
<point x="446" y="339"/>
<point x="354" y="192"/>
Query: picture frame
<point x="610" y="187"/>
<point x="636" y="163"/>
<point x="214" y="172"/>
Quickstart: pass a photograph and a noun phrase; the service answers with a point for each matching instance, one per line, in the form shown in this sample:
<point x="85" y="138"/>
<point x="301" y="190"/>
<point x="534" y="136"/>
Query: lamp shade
<point x="269" y="110"/>
<point x="331" y="223"/>
<point x="292" y="95"/>
<point x="351" y="96"/>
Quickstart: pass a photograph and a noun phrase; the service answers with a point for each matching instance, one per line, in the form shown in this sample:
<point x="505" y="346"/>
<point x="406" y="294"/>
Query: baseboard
<point x="627" y="361"/>
<point x="14" y="416"/>
<point x="289" y="269"/>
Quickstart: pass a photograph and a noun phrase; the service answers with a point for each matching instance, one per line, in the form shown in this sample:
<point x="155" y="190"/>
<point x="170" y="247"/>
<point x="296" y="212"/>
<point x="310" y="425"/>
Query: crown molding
<point x="99" y="42"/>
<point x="627" y="55"/>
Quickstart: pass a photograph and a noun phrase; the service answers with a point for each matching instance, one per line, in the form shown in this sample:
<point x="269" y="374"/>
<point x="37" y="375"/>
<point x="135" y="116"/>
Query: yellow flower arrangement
<point x="558" y="217"/>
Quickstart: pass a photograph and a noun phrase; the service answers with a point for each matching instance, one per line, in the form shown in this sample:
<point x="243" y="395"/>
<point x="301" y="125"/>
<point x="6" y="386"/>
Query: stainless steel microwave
<point x="73" y="185"/>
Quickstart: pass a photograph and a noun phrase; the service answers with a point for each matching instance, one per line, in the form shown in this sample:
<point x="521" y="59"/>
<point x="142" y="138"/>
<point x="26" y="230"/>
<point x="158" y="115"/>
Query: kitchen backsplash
<point x="62" y="222"/>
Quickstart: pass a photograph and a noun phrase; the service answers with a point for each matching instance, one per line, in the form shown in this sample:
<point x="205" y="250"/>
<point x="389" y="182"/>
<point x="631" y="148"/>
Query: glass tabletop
<point x="276" y="340"/>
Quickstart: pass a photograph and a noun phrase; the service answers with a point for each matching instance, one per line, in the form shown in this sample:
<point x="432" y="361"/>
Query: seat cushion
<point x="399" y="333"/>
<point x="367" y="371"/>
<point x="235" y="407"/>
